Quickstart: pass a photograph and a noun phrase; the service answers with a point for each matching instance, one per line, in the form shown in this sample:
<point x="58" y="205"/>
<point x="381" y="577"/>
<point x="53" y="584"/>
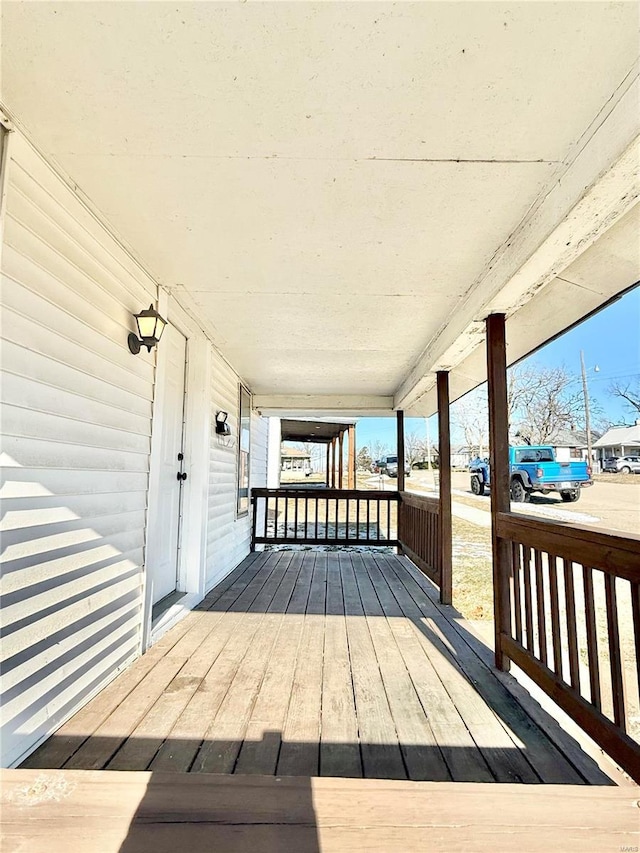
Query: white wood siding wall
<point x="229" y="538"/>
<point x="76" y="424"/>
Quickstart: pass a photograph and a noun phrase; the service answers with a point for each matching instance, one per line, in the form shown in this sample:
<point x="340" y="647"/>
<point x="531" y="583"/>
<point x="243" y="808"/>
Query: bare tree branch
<point x="627" y="391"/>
<point x="541" y="402"/>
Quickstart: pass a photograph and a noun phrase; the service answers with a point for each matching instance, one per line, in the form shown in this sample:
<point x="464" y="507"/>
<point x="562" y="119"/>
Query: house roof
<point x="624" y="435"/>
<point x="572" y="438"/>
<point x="341" y="199"/>
<point x="294" y="453"/>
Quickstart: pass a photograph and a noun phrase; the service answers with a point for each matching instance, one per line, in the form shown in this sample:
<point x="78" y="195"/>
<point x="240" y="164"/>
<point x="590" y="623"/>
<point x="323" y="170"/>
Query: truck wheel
<point x="570" y="497"/>
<point x="518" y="492"/>
<point x="477" y="486"/>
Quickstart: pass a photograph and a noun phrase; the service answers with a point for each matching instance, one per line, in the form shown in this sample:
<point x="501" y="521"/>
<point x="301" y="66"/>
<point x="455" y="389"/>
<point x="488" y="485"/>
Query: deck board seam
<point x="518" y="750"/>
<point x="394" y="568"/>
<point x="263" y="613"/>
<point x="264" y="671"/>
<point x="256" y="589"/>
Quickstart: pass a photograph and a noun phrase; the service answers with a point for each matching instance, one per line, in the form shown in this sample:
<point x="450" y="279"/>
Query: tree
<point x="471" y="416"/>
<point x="379" y="449"/>
<point x="627" y="391"/>
<point x="414" y="448"/>
<point x="541" y="401"/>
<point x="363" y="459"/>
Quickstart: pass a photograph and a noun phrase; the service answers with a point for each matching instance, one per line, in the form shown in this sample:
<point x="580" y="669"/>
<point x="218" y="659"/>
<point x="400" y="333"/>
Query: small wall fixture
<point x="150" y="328"/>
<point x="222" y="427"/>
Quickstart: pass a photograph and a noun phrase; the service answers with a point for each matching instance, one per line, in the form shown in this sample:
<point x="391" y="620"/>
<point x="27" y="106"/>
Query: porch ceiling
<point x="317" y="432"/>
<point x="334" y="189"/>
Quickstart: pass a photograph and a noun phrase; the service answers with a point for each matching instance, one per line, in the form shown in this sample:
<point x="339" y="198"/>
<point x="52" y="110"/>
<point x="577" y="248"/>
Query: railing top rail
<point x="608" y="550"/>
<point x="323" y="494"/>
<point x="420" y="501"/>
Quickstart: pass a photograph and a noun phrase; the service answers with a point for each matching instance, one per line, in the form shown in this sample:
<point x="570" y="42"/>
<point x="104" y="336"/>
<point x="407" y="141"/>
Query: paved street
<point x="610" y="505"/>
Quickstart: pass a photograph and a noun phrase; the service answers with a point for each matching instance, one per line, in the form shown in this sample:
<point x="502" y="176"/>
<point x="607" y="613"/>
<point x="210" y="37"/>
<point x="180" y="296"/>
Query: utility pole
<point x="587" y="413"/>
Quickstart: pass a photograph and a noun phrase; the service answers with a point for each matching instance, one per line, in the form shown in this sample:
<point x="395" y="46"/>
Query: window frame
<point x="242" y="512"/>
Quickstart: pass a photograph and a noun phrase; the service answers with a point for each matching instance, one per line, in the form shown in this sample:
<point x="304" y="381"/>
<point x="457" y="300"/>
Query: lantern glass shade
<point x="150" y="325"/>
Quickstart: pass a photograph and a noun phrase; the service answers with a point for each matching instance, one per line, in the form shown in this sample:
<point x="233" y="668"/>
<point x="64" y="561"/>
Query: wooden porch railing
<point x="574" y="625"/>
<point x="324" y="517"/>
<point x="419" y="533"/>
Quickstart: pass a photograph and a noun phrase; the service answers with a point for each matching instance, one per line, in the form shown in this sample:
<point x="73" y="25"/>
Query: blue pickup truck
<point x="535" y="469"/>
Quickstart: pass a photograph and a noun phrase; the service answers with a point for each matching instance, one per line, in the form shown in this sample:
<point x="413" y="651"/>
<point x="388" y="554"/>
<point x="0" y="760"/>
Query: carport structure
<point x="361" y="210"/>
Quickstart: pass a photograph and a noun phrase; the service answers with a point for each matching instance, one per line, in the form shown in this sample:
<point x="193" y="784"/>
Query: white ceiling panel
<point x="324" y="183"/>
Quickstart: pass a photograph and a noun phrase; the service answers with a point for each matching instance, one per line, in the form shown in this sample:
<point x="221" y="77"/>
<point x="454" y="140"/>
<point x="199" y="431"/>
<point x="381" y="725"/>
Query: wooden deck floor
<point x="316" y="664"/>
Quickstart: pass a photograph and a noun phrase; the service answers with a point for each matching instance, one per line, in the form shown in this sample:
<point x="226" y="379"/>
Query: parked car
<point x="389" y="465"/>
<point x="535" y="469"/>
<point x="622" y="465"/>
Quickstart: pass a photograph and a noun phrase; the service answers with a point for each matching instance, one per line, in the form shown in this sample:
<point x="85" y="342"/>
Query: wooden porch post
<point x="341" y="459"/>
<point x="400" y="449"/>
<point x="351" y="470"/>
<point x="444" y="451"/>
<point x="500" y="496"/>
<point x="327" y="472"/>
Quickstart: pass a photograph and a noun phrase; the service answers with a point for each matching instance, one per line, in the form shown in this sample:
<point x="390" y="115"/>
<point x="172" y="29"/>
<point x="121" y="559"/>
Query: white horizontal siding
<point x="76" y="440"/>
<point x="228" y="535"/>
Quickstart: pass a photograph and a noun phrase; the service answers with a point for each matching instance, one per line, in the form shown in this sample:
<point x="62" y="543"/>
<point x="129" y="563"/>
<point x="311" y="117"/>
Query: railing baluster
<point x="615" y="659"/>
<point x="368" y="518"/>
<point x="517" y="603"/>
<point x="316" y="508"/>
<point x="635" y="609"/>
<point x="357" y="518"/>
<point x="346" y="532"/>
<point x="572" y="635"/>
<point x="555" y="615"/>
<point x="542" y="620"/>
<point x="295" y="517"/>
<point x="306" y="517"/>
<point x="286" y="517"/>
<point x="326" y="519"/>
<point x="528" y="600"/>
<point x="592" y="637"/>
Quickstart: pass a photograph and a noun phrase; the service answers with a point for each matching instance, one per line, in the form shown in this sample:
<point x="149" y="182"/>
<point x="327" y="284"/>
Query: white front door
<point x="164" y="551"/>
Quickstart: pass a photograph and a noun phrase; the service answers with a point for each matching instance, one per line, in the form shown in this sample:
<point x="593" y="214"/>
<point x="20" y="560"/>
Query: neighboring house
<point x="572" y="444"/>
<point x="461" y="455"/>
<point x="618" y="441"/>
<point x="294" y="462"/>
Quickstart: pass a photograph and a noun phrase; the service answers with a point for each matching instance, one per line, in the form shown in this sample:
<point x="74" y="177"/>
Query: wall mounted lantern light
<point x="222" y="427"/>
<point x="150" y="329"/>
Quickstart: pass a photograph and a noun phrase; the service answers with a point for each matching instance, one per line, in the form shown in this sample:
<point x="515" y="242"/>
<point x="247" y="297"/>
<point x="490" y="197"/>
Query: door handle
<point x="182" y="476"/>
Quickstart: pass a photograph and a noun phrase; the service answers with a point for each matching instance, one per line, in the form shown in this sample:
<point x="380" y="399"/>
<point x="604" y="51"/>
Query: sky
<point x="610" y="341"/>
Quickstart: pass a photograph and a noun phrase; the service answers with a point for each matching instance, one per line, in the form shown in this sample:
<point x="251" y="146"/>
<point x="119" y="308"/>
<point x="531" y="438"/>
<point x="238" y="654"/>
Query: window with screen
<point x="244" y="444"/>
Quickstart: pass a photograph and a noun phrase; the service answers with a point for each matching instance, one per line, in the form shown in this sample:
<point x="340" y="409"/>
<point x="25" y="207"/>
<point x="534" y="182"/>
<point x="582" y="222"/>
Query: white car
<point x="622" y="464"/>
